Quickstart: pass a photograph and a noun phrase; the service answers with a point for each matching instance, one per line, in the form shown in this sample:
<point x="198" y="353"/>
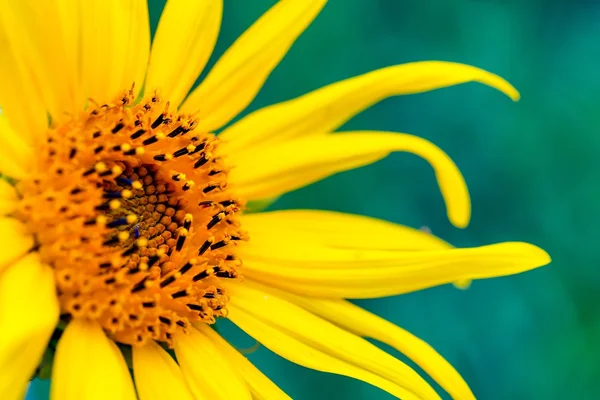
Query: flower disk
<point x="130" y="207"/>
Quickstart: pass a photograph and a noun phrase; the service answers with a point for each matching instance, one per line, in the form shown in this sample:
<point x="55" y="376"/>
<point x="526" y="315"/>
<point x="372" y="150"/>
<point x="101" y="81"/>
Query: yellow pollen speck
<point x="191" y="148"/>
<point x="143" y="266"/>
<point x="116" y="170"/>
<point x="142" y="242"/>
<point x="136" y="185"/>
<point x="125" y="147"/>
<point x="101" y="220"/>
<point x="131" y="218"/>
<point x="168" y="156"/>
<point x="100" y="167"/>
<point x="126" y="193"/>
<point x="160" y="136"/>
<point x="183" y="232"/>
<point x="123" y="236"/>
<point x="140" y="151"/>
<point x="193" y="261"/>
<point x="160" y="252"/>
<point x="189" y="217"/>
<point x="114" y="204"/>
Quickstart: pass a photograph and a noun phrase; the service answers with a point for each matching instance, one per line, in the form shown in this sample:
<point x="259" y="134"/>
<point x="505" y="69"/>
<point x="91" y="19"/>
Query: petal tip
<point x="460" y="219"/>
<point x="542" y="256"/>
<point x="505" y="87"/>
<point x="534" y="256"/>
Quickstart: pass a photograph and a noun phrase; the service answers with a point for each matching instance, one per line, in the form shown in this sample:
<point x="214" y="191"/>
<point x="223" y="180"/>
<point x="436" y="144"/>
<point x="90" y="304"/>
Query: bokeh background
<point x="533" y="169"/>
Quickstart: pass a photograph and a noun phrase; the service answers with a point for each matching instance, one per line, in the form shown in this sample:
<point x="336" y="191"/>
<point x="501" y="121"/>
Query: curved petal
<point x="274" y="170"/>
<point x="20" y="100"/>
<point x="157" y="375"/>
<point x="348" y="273"/>
<point x="115" y="37"/>
<point x="361" y="322"/>
<point x="337" y="230"/>
<point x="8" y="197"/>
<point x="274" y="321"/>
<point x="262" y="388"/>
<point x="89" y="366"/>
<point x="221" y="381"/>
<point x="364" y="323"/>
<point x="16" y="155"/>
<point x="28" y="314"/>
<point x="45" y="37"/>
<point x="239" y="74"/>
<point x="15" y="239"/>
<point x="328" y="108"/>
<point x="184" y="40"/>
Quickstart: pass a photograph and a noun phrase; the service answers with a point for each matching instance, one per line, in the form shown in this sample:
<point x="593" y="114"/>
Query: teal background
<point x="532" y="168"/>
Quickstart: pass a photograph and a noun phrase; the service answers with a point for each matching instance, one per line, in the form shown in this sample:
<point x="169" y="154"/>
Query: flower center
<point x="130" y="207"/>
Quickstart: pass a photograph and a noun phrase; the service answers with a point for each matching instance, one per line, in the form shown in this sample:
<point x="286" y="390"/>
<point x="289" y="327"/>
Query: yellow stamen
<point x="114" y="204"/>
<point x="100" y="167"/>
<point x="117" y="170"/>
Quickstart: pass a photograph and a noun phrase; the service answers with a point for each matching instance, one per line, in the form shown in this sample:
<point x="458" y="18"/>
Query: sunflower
<point x="125" y="229"/>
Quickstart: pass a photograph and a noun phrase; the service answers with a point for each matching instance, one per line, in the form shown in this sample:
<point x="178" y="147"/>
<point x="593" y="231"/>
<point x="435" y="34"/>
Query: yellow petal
<point x="15" y="239"/>
<point x="20" y="101"/>
<point x="138" y="49"/>
<point x="361" y="322"/>
<point x="8" y="197"/>
<point x="304" y="354"/>
<point x="89" y="366"/>
<point x="157" y="375"/>
<point x="28" y="314"/>
<point x="44" y="35"/>
<point x="239" y="74"/>
<point x="115" y="37"/>
<point x="219" y="380"/>
<point x="337" y="230"/>
<point x="274" y="170"/>
<point x="255" y="311"/>
<point x="12" y="168"/>
<point x="16" y="155"/>
<point x="328" y="108"/>
<point x="262" y="388"/>
<point x="184" y="40"/>
<point x="347" y="273"/>
<point x="7" y="191"/>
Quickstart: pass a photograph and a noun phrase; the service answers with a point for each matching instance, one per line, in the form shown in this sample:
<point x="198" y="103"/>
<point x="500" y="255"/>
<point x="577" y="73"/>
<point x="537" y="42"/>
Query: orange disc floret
<point x="130" y="206"/>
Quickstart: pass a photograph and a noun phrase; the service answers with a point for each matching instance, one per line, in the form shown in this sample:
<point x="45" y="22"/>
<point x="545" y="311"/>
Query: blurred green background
<point x="532" y="168"/>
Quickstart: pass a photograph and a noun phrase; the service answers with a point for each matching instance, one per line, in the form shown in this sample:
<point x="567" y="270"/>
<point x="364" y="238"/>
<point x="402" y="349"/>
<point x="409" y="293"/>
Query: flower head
<point x="125" y="227"/>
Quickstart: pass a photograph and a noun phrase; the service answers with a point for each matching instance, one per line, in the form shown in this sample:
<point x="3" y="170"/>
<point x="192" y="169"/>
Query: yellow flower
<point x="123" y="224"/>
